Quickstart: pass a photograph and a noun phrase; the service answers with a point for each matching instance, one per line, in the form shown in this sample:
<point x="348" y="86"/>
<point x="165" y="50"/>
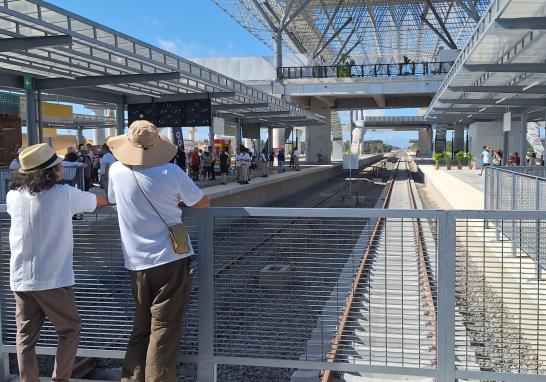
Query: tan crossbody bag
<point x="178" y="232"/>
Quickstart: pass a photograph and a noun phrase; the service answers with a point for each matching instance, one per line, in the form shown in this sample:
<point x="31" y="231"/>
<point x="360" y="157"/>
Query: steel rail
<point x="363" y="269"/>
<point x="424" y="270"/>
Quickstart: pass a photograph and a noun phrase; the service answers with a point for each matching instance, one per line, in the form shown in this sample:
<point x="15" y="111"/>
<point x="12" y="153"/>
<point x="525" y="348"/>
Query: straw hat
<point x="143" y="145"/>
<point x="38" y="157"/>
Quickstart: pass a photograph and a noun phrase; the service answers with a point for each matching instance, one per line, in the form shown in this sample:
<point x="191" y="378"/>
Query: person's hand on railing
<point x="101" y="201"/>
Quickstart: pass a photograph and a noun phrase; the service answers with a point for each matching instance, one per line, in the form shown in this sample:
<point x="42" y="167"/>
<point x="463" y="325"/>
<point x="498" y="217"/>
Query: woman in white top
<point x="41" y="243"/>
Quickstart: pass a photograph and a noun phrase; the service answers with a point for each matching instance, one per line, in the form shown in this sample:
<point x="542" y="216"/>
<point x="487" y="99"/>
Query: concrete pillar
<point x="278" y="139"/>
<point x="269" y="139"/>
<point x="238" y="135"/>
<point x="32" y="130"/>
<point x="211" y="135"/>
<point x="425" y="141"/>
<point x="81" y="139"/>
<point x="458" y="139"/>
<point x="319" y="137"/>
<point x="485" y="134"/>
<point x="39" y="116"/>
<point x="120" y="119"/>
<point x="191" y="134"/>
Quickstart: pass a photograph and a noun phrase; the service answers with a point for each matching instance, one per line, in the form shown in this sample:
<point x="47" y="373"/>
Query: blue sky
<point x="190" y="28"/>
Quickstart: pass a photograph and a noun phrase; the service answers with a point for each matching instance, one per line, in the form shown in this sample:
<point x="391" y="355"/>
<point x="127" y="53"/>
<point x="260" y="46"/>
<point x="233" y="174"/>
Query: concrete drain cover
<point x="275" y="275"/>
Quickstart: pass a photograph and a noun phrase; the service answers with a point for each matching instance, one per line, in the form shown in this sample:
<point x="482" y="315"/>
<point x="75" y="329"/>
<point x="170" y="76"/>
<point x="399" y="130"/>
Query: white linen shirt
<point x="40" y="237"/>
<point x="145" y="238"/>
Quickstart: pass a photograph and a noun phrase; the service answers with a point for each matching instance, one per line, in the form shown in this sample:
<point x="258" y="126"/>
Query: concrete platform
<point x="454" y="189"/>
<point x="262" y="191"/>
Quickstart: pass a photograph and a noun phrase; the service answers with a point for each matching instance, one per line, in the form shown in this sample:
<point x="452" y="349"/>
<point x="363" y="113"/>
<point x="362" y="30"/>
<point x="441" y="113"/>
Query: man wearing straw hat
<point x="41" y="243"/>
<point x="147" y="190"/>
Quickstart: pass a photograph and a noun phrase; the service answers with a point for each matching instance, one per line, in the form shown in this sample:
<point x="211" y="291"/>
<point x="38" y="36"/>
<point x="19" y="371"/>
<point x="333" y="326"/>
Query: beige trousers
<point x="161" y="295"/>
<point x="31" y="308"/>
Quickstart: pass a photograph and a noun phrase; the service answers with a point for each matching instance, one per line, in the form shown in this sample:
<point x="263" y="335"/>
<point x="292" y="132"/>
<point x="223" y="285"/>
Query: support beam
<point x="522" y="23"/>
<point x="294" y="14"/>
<point x="287" y="10"/>
<point x="344" y="46"/>
<point x="499" y="89"/>
<point x="120" y="119"/>
<point x="447" y="35"/>
<point x="471" y="110"/>
<point x="507" y="68"/>
<point x="91" y="81"/>
<point x="239" y="106"/>
<point x="26" y="43"/>
<point x="523" y="142"/>
<point x="266" y="17"/>
<point x="330" y="21"/>
<point x="328" y="42"/>
<point x="179" y="97"/>
<point x="437" y="32"/>
<point x="265" y="113"/>
<point x="469" y="8"/>
<point x="499" y="102"/>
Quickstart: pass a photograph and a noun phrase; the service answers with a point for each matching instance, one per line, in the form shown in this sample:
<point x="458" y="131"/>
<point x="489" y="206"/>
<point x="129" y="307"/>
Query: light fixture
<point x="500" y="100"/>
<point x="482" y="109"/>
<point x="470" y="115"/>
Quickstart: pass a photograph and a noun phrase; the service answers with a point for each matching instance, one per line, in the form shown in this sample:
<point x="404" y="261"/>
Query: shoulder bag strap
<point x="148" y="200"/>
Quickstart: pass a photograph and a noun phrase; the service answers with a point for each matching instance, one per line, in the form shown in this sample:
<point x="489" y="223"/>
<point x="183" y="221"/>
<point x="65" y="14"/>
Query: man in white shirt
<point x="41" y="243"/>
<point x="244" y="163"/>
<point x="147" y="190"/>
<point x="106" y="161"/>
<point x="296" y="155"/>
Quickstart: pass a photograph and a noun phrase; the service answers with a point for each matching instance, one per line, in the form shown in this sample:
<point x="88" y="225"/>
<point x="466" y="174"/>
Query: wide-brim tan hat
<point x="143" y="145"/>
<point x="38" y="157"/>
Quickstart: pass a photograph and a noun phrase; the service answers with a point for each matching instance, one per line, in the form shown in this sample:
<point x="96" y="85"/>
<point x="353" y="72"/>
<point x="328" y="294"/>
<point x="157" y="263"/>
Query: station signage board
<point x="172" y="114"/>
<point x="9" y="103"/>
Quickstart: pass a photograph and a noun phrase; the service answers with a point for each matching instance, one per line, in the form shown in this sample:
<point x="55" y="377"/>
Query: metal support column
<point x="39" y="116"/>
<point x="206" y="369"/>
<point x="238" y="135"/>
<point x="278" y="53"/>
<point x="269" y="139"/>
<point x="458" y="139"/>
<point x="523" y="142"/>
<point x="32" y="132"/>
<point x="120" y="119"/>
<point x="446" y="298"/>
<point x="211" y="136"/>
<point x="81" y="138"/>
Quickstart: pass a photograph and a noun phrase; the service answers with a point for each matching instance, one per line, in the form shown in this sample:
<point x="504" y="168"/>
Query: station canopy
<point x="77" y="60"/>
<point x="367" y="31"/>
<point x="502" y="69"/>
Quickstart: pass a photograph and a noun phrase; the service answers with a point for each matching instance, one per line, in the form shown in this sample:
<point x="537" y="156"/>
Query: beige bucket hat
<point x="38" y="157"/>
<point x="143" y="145"/>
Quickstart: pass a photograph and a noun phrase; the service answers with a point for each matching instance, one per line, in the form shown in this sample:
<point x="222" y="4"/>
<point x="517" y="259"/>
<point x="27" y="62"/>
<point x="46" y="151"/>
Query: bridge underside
<point x="365" y="101"/>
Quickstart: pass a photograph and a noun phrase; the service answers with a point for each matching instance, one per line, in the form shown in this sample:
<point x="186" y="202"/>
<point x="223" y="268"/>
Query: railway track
<point x="389" y="316"/>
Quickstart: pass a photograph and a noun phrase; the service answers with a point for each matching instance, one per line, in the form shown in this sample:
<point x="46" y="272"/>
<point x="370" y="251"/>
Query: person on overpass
<point x="147" y="189"/>
<point x="41" y="267"/>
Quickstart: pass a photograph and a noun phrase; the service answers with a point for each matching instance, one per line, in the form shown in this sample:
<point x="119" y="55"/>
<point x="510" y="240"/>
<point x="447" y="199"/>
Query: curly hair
<point x="34" y="182"/>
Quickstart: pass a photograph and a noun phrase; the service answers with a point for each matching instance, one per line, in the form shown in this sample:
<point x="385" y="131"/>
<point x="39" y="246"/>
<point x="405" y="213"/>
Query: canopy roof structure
<point x="369" y="31"/>
<point x="501" y="69"/>
<point x="83" y="61"/>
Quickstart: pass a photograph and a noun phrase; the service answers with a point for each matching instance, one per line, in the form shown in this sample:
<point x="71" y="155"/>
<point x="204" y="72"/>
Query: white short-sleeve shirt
<point x="40" y="237"/>
<point x="145" y="238"/>
<point x="107" y="158"/>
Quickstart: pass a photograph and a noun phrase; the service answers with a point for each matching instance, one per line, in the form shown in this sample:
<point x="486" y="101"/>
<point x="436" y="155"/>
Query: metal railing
<point x="271" y="283"/>
<point x="74" y="176"/>
<point x="366" y="70"/>
<point x="518" y="188"/>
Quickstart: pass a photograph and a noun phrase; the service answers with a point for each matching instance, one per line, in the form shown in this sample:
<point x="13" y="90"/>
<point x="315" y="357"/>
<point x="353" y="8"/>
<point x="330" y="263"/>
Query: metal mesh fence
<point x="103" y="291"/>
<point x="281" y="287"/>
<point x="5" y="175"/>
<point x="500" y="300"/>
<point x="331" y="289"/>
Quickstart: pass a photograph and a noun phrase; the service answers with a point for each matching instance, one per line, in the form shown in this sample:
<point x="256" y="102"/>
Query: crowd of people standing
<point x="490" y="157"/>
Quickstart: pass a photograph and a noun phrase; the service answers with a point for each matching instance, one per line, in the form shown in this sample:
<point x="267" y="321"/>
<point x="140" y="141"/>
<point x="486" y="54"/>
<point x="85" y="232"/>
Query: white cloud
<point x="153" y="22"/>
<point x="230" y="45"/>
<point x="185" y="49"/>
